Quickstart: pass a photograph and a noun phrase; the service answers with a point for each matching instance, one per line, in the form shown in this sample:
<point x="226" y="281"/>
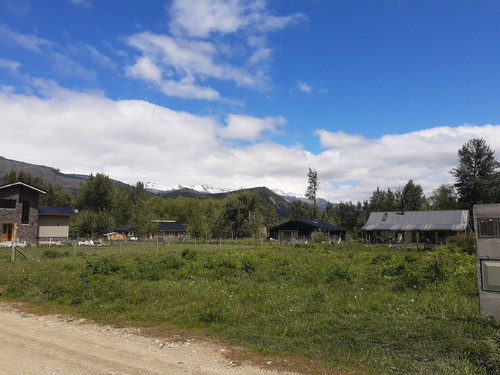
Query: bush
<point x="52" y="254"/>
<point x="188" y="254"/>
<point x="466" y="243"/>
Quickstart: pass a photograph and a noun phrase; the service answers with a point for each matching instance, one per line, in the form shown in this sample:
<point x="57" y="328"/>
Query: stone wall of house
<point x="24" y="232"/>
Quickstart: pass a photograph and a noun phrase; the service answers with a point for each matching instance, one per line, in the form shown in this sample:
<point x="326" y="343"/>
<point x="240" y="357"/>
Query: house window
<point x="7" y="203"/>
<point x="384" y="218"/>
<point x="25" y="215"/>
<point x="488" y="228"/>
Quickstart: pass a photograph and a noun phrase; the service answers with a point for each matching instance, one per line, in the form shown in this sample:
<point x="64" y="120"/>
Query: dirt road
<point x="58" y="345"/>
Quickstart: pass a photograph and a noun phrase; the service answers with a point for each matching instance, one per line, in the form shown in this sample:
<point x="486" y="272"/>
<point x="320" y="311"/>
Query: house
<point x="23" y="220"/>
<point x="303" y="230"/>
<point x="167" y="230"/>
<point x="19" y="212"/>
<point x="53" y="223"/>
<point x="416" y="226"/>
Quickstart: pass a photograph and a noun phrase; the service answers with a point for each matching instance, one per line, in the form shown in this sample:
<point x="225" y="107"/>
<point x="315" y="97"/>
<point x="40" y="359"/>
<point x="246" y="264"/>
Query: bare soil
<point x="61" y="345"/>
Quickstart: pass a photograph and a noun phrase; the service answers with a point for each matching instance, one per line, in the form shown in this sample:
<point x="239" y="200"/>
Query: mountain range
<point x="72" y="182"/>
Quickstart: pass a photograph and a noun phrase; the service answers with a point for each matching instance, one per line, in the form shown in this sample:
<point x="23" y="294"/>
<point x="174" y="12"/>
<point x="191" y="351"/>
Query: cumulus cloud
<point x="134" y="140"/>
<point x="144" y="68"/>
<point x="250" y="128"/>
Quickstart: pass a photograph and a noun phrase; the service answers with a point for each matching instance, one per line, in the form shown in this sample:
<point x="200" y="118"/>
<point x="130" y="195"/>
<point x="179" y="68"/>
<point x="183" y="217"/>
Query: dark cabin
<point x="303" y="230"/>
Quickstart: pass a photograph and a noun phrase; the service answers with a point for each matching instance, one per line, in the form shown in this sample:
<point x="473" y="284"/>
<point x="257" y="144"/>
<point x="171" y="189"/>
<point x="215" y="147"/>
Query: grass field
<point x="351" y="309"/>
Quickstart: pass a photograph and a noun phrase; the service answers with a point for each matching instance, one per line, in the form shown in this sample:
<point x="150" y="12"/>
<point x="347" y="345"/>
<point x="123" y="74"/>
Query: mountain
<point x="70" y="182"/>
<point x="281" y="205"/>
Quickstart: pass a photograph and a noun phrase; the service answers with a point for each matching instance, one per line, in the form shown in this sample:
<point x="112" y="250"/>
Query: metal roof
<point x="50" y="210"/>
<point x="313" y="223"/>
<point x="455" y="220"/>
<point x="163" y="226"/>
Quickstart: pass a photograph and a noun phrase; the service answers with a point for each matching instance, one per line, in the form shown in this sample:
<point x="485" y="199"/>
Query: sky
<point x="247" y="93"/>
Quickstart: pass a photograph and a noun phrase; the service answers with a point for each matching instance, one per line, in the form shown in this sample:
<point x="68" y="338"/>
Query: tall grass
<point x="354" y="308"/>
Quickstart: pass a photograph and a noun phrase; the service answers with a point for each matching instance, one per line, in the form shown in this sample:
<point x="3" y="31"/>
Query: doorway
<point x="7" y="229"/>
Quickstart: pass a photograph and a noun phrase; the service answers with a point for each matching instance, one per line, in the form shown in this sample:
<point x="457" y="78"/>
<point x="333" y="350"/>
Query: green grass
<point x="351" y="308"/>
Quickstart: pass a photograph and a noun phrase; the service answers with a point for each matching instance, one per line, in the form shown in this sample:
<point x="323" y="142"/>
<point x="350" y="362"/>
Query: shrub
<point x="52" y="254"/>
<point x="339" y="272"/>
<point x="466" y="243"/>
<point x="189" y="254"/>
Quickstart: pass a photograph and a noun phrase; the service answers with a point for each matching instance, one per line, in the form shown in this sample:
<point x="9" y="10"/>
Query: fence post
<point x="13" y="256"/>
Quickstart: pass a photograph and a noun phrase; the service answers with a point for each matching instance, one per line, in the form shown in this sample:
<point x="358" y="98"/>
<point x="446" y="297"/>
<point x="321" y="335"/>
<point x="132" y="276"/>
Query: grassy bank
<point x="354" y="308"/>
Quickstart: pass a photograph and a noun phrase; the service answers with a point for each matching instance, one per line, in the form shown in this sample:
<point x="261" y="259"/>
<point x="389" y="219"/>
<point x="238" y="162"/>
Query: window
<point x="7" y="203"/>
<point x="488" y="228"/>
<point x="25" y="216"/>
<point x="384" y="218"/>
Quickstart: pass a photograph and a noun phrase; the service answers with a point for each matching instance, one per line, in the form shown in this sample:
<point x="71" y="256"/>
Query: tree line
<point x="102" y="204"/>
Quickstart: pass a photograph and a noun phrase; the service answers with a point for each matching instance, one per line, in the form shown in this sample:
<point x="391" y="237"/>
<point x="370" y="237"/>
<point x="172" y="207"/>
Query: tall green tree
<point x="443" y="198"/>
<point x="476" y="176"/>
<point x="299" y="210"/>
<point x="97" y="193"/>
<point x="412" y="197"/>
<point x="313" y="186"/>
<point x="241" y="215"/>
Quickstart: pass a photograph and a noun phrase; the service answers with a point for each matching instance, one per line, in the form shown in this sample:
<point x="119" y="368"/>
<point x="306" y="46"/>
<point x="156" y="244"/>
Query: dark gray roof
<point x="123" y="228"/>
<point x="455" y="220"/>
<point x="167" y="226"/>
<point x="163" y="226"/>
<point x="314" y="224"/>
<point x="51" y="210"/>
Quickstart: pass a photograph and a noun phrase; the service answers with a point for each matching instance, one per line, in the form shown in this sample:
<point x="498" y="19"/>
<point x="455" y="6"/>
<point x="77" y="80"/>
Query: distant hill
<point x="71" y="182"/>
<point x="281" y="205"/>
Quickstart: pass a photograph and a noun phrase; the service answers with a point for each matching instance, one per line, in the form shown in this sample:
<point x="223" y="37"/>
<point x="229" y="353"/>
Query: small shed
<point x="416" y="226"/>
<point x="303" y="230"/>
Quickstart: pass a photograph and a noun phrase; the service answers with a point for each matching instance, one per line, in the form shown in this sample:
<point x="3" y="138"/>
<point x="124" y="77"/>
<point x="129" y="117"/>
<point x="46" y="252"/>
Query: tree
<point x="412" y="197"/>
<point x="476" y="176"/>
<point x="443" y="198"/>
<point x="329" y="214"/>
<point x="312" y="188"/>
<point x="240" y="214"/>
<point x="97" y="194"/>
<point x="299" y="210"/>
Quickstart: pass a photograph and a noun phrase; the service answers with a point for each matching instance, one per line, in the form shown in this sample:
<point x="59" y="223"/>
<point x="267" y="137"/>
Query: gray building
<point x="416" y="226"/>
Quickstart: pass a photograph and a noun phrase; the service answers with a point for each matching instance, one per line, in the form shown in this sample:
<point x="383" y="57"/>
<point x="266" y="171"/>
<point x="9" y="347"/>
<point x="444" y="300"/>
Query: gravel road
<point x="60" y="345"/>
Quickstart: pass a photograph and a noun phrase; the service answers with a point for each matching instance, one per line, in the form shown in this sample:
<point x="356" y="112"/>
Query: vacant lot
<point x="350" y="309"/>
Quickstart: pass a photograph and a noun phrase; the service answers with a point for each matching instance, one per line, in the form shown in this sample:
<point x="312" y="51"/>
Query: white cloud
<point x="29" y="42"/>
<point x="196" y="59"/>
<point x="200" y="18"/>
<point x="249" y="128"/>
<point x="237" y="50"/>
<point x="9" y="64"/>
<point x="144" y="68"/>
<point x="304" y="87"/>
<point x="132" y="140"/>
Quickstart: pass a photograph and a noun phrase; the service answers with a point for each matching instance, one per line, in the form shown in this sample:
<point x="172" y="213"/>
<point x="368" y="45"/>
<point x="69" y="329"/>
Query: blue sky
<point x="242" y="93"/>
